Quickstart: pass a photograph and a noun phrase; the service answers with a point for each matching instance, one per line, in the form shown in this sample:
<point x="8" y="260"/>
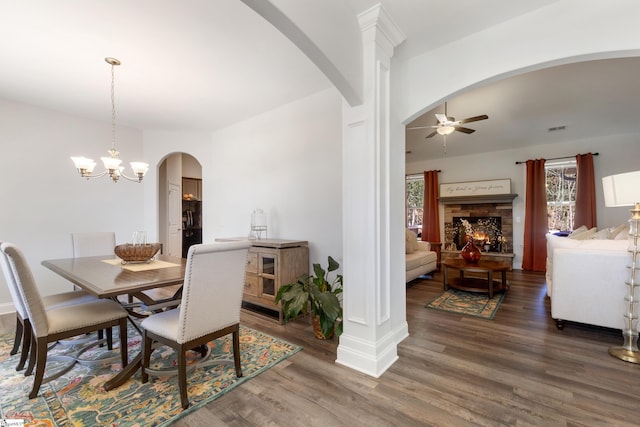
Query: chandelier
<point x="112" y="163"/>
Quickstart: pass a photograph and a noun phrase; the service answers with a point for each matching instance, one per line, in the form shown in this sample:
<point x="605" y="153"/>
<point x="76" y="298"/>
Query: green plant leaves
<point x="329" y="304"/>
<point x="333" y="265"/>
<point x="319" y="293"/>
<point x="294" y="297"/>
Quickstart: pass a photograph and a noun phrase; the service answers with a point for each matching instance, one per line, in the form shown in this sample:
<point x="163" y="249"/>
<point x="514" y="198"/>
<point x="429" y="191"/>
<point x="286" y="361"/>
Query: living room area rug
<point x="78" y="399"/>
<point x="467" y="303"/>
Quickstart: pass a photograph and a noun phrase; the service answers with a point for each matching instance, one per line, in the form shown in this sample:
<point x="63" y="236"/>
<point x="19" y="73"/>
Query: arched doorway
<point x="179" y="203"/>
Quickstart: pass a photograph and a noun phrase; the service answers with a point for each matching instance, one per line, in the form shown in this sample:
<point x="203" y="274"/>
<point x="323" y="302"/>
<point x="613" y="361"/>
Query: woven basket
<point x="136" y="253"/>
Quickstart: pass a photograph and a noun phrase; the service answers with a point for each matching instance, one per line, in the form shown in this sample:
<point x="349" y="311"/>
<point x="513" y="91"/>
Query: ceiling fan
<point x="447" y="125"/>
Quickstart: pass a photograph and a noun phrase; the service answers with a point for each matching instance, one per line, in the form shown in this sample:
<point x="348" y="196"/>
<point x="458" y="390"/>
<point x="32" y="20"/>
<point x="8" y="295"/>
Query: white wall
<point x="42" y="197"/>
<point x="618" y="153"/>
<point x="287" y="162"/>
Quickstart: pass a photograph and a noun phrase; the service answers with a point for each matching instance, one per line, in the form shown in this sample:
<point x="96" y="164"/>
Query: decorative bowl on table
<point x="130" y="253"/>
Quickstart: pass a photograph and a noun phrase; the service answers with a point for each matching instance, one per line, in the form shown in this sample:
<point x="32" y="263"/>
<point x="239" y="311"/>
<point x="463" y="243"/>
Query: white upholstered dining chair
<point x="93" y="243"/>
<point x="50" y="324"/>
<point x="209" y="309"/>
<point x="23" y="326"/>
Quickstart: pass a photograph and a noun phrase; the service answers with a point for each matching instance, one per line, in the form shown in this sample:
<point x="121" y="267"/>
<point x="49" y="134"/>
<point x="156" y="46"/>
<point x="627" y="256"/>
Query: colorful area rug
<point x="78" y="399"/>
<point x="467" y="303"/>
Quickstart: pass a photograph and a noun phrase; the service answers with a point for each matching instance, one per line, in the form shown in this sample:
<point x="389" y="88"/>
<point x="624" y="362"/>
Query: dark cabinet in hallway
<point x="191" y="214"/>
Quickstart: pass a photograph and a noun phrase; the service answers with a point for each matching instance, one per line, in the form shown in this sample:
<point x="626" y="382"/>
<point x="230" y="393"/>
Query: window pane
<point x="561" y="195"/>
<point x="414" y="195"/>
<point x="414" y="218"/>
<point x="561" y="217"/>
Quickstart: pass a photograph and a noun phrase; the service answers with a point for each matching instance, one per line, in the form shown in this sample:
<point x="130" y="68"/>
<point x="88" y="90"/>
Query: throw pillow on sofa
<point x="622" y="235"/>
<point x="411" y="241"/>
<point x="585" y="235"/>
<point x="614" y="232"/>
<point x="601" y="234"/>
<point x="580" y="229"/>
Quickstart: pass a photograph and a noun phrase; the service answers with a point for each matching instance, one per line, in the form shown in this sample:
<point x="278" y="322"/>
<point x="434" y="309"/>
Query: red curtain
<point x="431" y="211"/>
<point x="535" y="218"/>
<point x="585" y="192"/>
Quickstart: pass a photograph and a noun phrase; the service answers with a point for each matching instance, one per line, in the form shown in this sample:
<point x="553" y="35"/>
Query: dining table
<point x="108" y="277"/>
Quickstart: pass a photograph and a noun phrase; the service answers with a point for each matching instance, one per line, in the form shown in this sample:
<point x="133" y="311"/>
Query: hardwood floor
<point x="515" y="370"/>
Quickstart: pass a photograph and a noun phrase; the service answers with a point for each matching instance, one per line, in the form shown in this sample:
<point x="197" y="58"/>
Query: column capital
<point x="376" y="22"/>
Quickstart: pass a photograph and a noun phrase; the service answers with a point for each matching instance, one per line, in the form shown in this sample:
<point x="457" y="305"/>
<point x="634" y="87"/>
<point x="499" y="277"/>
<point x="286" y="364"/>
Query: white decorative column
<point x="374" y="318"/>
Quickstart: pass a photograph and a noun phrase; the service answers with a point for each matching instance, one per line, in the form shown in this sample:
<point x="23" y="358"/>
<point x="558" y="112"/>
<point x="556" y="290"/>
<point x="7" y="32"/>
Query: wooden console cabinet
<point x="272" y="263"/>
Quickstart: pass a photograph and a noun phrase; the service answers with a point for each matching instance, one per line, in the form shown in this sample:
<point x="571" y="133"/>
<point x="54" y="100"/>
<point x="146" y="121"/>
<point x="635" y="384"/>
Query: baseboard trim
<point x="7" y="308"/>
<point x="371" y="358"/>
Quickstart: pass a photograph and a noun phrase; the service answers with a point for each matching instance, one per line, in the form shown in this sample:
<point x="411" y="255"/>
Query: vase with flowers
<point x="470" y="252"/>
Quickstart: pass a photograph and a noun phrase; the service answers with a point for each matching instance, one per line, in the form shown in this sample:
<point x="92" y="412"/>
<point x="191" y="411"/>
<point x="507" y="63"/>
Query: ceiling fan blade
<point x="437" y="125"/>
<point x="474" y="119"/>
<point x="464" y="130"/>
<point x="431" y="134"/>
<point x="441" y="118"/>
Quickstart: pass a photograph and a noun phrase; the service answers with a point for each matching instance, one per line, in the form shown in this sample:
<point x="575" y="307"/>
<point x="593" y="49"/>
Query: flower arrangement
<point x="467" y="227"/>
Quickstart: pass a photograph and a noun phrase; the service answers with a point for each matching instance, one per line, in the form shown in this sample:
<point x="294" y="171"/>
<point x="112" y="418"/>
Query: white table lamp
<point x="624" y="190"/>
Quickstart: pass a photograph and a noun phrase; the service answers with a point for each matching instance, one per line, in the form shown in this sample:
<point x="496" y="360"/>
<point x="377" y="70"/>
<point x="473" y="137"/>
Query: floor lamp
<point x="624" y="190"/>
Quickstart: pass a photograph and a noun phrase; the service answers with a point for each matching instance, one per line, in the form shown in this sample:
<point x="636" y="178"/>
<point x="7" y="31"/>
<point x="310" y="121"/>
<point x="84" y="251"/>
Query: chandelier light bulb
<point x="111" y="163"/>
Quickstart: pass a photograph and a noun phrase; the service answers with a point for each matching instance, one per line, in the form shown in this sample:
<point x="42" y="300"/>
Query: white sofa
<point x="420" y="258"/>
<point x="586" y="280"/>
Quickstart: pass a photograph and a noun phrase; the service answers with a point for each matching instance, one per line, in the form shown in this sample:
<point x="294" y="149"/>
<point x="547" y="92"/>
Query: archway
<point x="179" y="203"/>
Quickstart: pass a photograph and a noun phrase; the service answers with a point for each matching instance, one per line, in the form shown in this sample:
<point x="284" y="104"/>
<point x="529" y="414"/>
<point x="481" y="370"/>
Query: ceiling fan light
<point x="445" y="130"/>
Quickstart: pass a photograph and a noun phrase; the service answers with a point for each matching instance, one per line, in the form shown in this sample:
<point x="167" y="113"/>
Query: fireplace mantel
<point x="470" y="200"/>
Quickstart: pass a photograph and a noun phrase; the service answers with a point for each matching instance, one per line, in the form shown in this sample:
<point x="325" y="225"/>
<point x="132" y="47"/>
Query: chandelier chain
<point x="113" y="108"/>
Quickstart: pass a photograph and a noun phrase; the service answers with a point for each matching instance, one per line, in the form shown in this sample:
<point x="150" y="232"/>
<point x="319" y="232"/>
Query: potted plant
<point x="318" y="293"/>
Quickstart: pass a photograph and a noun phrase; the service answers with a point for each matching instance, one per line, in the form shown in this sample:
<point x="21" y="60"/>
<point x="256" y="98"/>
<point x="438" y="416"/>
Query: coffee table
<point x="476" y="284"/>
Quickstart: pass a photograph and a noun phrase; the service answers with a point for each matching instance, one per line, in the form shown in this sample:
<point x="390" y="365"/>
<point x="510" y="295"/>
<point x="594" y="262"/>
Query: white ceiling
<point x="188" y="64"/>
<point x="430" y="24"/>
<point x="592" y="99"/>
<point x="205" y="64"/>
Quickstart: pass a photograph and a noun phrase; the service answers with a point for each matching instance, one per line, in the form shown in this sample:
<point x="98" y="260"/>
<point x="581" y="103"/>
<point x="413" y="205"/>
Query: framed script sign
<point x="476" y="188"/>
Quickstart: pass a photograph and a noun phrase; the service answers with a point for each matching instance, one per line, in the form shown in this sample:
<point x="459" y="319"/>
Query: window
<point x="414" y="193"/>
<point x="561" y="194"/>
